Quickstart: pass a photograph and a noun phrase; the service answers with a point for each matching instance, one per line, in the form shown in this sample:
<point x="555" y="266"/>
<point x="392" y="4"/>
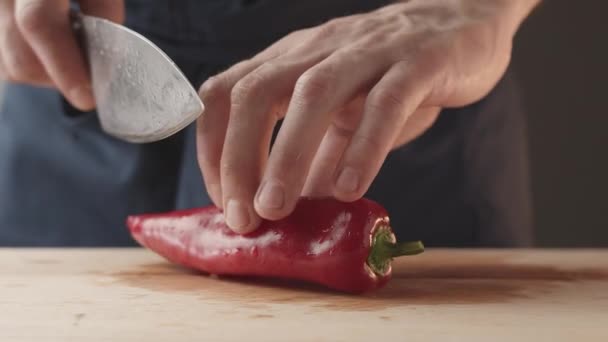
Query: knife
<point x="140" y="93"/>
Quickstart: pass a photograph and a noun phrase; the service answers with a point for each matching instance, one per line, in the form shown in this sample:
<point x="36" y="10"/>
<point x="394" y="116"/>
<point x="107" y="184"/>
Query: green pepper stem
<point x="403" y="248"/>
<point x="383" y="250"/>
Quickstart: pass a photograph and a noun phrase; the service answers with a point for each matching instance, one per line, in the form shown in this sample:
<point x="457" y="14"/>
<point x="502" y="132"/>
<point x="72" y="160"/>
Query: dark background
<point x="560" y="58"/>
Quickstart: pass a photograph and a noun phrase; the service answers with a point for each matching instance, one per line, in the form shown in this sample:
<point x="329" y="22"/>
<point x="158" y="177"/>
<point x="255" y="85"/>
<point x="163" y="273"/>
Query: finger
<point x="4" y="18"/>
<point x="320" y="182"/>
<point x="216" y="93"/>
<point x="211" y="126"/>
<point x="46" y="27"/>
<point x="321" y="90"/>
<point x="388" y="106"/>
<point x="20" y="62"/>
<point x="324" y="165"/>
<point x="3" y="75"/>
<point x="113" y="10"/>
<point x="418" y="123"/>
<point x="252" y="118"/>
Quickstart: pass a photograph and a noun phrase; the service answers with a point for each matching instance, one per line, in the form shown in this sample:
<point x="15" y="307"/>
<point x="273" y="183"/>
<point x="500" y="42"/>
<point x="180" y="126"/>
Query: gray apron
<point x="63" y="182"/>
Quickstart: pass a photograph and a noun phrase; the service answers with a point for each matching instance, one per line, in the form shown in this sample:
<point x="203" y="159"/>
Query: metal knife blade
<point x="141" y="95"/>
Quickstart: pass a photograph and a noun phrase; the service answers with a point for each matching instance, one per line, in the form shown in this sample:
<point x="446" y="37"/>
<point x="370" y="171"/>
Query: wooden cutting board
<point x="441" y="295"/>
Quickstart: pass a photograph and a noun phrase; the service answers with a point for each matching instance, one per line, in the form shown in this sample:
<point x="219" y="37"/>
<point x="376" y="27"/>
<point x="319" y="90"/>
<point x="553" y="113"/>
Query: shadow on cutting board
<point x="454" y="281"/>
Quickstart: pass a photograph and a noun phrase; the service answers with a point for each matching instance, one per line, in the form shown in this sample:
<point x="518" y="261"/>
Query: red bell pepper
<point x="344" y="246"/>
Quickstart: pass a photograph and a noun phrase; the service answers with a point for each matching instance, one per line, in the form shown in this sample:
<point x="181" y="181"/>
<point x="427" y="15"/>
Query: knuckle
<point x="370" y="143"/>
<point x="230" y="168"/>
<point x="214" y="88"/>
<point x="343" y="129"/>
<point x="374" y="22"/>
<point x="289" y="163"/>
<point x="386" y="101"/>
<point x="252" y="86"/>
<point x="330" y="28"/>
<point x="31" y="17"/>
<point x="295" y="34"/>
<point x="314" y="86"/>
<point x="381" y="39"/>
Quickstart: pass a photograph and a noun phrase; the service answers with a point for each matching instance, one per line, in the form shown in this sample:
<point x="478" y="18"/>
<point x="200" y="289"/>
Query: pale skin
<point x="349" y="91"/>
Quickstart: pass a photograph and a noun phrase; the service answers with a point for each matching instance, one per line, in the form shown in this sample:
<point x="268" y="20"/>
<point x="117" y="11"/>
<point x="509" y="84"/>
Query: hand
<point x="38" y="46"/>
<point x="349" y="91"/>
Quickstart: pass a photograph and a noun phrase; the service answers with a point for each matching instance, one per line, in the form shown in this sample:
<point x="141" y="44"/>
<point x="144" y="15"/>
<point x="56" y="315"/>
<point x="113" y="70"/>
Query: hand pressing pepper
<point x="353" y="89"/>
<point x="343" y="246"/>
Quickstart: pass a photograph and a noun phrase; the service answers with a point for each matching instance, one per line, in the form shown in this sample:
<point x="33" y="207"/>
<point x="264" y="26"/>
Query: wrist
<point x="506" y="15"/>
<point x="500" y="18"/>
<point x="511" y="13"/>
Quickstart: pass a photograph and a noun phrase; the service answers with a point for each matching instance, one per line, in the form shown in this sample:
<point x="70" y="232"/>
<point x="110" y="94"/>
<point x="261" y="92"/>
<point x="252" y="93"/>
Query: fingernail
<point x="83" y="97"/>
<point x="271" y="195"/>
<point x="348" y="180"/>
<point x="237" y="215"/>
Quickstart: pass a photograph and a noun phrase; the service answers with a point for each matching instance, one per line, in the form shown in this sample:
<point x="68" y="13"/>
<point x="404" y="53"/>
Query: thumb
<point x="113" y="10"/>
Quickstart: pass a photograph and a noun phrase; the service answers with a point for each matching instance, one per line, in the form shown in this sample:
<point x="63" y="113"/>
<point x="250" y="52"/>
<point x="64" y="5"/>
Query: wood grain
<point x="441" y="295"/>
